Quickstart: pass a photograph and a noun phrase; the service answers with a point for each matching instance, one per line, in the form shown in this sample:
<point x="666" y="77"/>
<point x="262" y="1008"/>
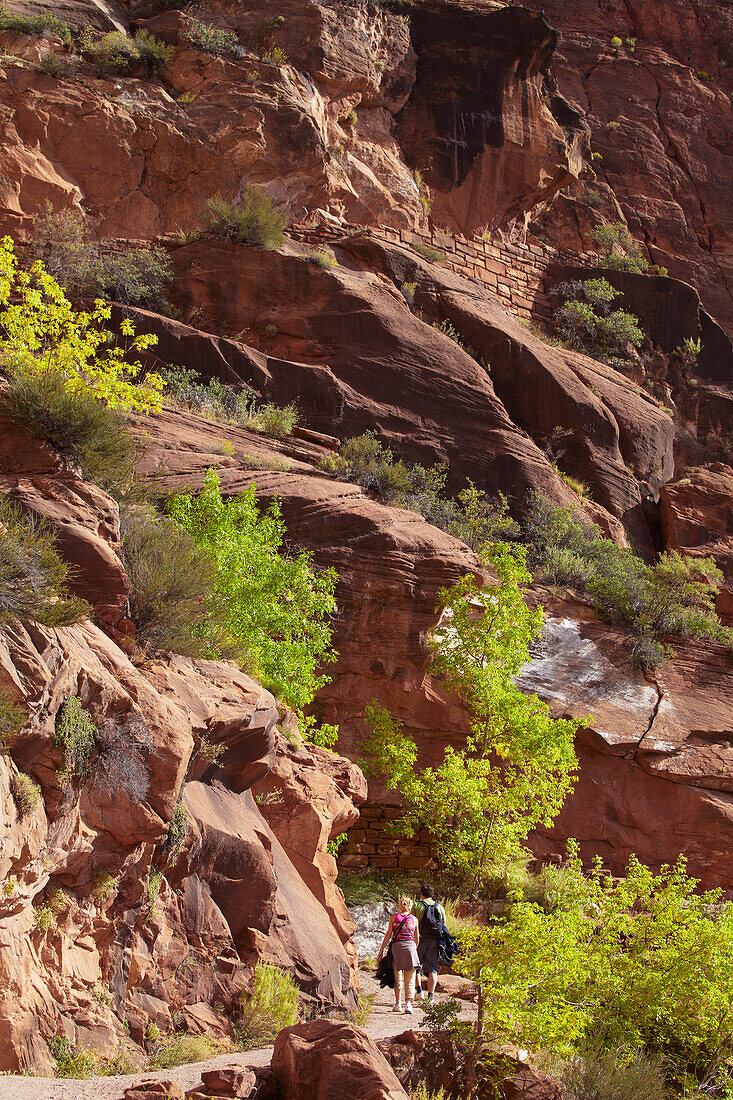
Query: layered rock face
<point x="660" y="115"/>
<point x="136" y="929"/>
<point x="309" y="109"/>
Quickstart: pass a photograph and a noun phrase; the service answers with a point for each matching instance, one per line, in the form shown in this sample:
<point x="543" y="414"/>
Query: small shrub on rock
<point x="253" y="220"/>
<point x="76" y="740"/>
<point x="618" y="249"/>
<point x="586" y="321"/>
<point x="435" y="255"/>
<point x="26" y="794"/>
<point x="32" y="575"/>
<point x="90" y="268"/>
<point x="211" y="39"/>
<point x="323" y="259"/>
<point x="84" y="431"/>
<point x="72" y="1061"/>
<point x="116" y="52"/>
<point x="40" y="26"/>
<point x="270" y="1005"/>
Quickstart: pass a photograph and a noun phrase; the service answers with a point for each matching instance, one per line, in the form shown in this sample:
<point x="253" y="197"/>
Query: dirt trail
<point x="382" y="1023"/>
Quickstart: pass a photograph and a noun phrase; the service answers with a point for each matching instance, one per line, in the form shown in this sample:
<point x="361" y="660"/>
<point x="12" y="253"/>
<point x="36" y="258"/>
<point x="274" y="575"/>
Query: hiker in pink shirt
<point x="405" y="938"/>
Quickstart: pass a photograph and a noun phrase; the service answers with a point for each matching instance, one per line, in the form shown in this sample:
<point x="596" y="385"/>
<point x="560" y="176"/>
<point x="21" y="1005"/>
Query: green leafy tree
<point x="643" y="962"/>
<point x="278" y="607"/>
<point x="481" y="801"/>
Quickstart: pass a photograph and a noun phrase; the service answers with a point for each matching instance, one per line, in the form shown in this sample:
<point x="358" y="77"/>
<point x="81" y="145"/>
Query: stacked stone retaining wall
<point x="372" y="845"/>
<point x="514" y="271"/>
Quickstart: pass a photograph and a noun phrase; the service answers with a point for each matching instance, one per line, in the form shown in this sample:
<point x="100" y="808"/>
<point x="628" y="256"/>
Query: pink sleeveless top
<point x="404" y="927"/>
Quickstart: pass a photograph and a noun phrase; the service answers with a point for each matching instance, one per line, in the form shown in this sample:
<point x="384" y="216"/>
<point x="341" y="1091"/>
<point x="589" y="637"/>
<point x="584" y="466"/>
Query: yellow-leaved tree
<point x="40" y="331"/>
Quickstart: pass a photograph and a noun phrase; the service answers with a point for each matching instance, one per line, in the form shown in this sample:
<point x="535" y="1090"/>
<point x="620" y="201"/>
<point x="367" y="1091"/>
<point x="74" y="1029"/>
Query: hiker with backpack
<point x="403" y="932"/>
<point x="431" y="927"/>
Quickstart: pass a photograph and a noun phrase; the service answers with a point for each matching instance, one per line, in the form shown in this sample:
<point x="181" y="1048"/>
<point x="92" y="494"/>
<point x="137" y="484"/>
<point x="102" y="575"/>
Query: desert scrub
<point x="435" y="255"/>
<point x="674" y="595"/>
<point x="211" y="39"/>
<point x="104" y="884"/>
<point x="12" y="718"/>
<point x="172" y="588"/>
<point x="220" y="401"/>
<point x="253" y="219"/>
<point x="75" y="739"/>
<point x="618" y="249"/>
<point x="270" y="1005"/>
<point x="37" y="25"/>
<point x="595" y="1072"/>
<point x="407" y="290"/>
<point x="32" y="575"/>
<point x="82" y="429"/>
<point x="115" y="53"/>
<point x="26" y="794"/>
<point x="321" y="258"/>
<point x="181" y="1049"/>
<point x="587" y="321"/>
<point x="92" y="268"/>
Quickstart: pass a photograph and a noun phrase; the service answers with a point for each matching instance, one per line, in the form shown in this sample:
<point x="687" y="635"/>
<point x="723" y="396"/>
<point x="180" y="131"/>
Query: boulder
<point x="164" y="1088"/>
<point x="322" y="1060"/>
<point x="234" y="1080"/>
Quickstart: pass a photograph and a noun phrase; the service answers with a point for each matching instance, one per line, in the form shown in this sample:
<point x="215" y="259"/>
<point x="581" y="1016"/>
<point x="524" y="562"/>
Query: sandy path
<point x="382" y="1023"/>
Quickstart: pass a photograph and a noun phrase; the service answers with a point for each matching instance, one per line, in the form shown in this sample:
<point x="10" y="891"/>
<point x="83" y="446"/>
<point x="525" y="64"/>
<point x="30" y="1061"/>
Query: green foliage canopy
<point x="277" y="605"/>
<point x="517" y="766"/>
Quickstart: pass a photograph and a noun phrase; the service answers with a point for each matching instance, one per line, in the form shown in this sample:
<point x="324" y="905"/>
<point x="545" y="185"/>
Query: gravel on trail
<point x="381" y="1024"/>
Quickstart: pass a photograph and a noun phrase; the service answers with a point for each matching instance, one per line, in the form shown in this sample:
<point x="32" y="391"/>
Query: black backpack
<point x="431" y="922"/>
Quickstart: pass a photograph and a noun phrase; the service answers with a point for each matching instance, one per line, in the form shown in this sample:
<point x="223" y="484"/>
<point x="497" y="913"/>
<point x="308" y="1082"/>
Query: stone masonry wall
<point x="371" y="845"/>
<point x="512" y="270"/>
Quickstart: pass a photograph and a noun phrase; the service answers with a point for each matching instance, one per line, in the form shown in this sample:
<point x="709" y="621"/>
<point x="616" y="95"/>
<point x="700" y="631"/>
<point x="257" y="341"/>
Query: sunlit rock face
<point x="656" y="753"/>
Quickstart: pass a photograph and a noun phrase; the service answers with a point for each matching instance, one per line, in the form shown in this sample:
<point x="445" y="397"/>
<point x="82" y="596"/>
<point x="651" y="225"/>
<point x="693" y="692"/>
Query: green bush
<point x="674" y="595"/>
<point x="618" y="249"/>
<point x="639" y="963"/>
<point x="90" y="269"/>
<point x="83" y="430"/>
<point x="172" y="588"/>
<point x="12" y="719"/>
<point x="37" y="25"/>
<point x="586" y="321"/>
<point x="26" y="794"/>
<point x="270" y="1005"/>
<point x="253" y="220"/>
<point x="181" y="1050"/>
<point x="223" y="402"/>
<point x="277" y="606"/>
<point x="32" y="575"/>
<point x="60" y="68"/>
<point x="211" y="39"/>
<point x="75" y="739"/>
<point x="116" y="52"/>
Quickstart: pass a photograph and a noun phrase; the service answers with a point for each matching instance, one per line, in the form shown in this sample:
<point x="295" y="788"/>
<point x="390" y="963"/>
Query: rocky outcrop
<point x="321" y="1060"/>
<point x="655" y="758"/>
<point x="660" y="116"/>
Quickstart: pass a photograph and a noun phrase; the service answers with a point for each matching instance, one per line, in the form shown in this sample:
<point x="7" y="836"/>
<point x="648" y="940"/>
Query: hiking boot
<point x="408" y="1008"/>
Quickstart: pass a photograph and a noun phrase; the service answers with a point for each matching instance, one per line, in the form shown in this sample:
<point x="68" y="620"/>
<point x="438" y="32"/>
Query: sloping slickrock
<point x="656" y="757"/>
<point x="117" y="950"/>
<point x="321" y="1060"/>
